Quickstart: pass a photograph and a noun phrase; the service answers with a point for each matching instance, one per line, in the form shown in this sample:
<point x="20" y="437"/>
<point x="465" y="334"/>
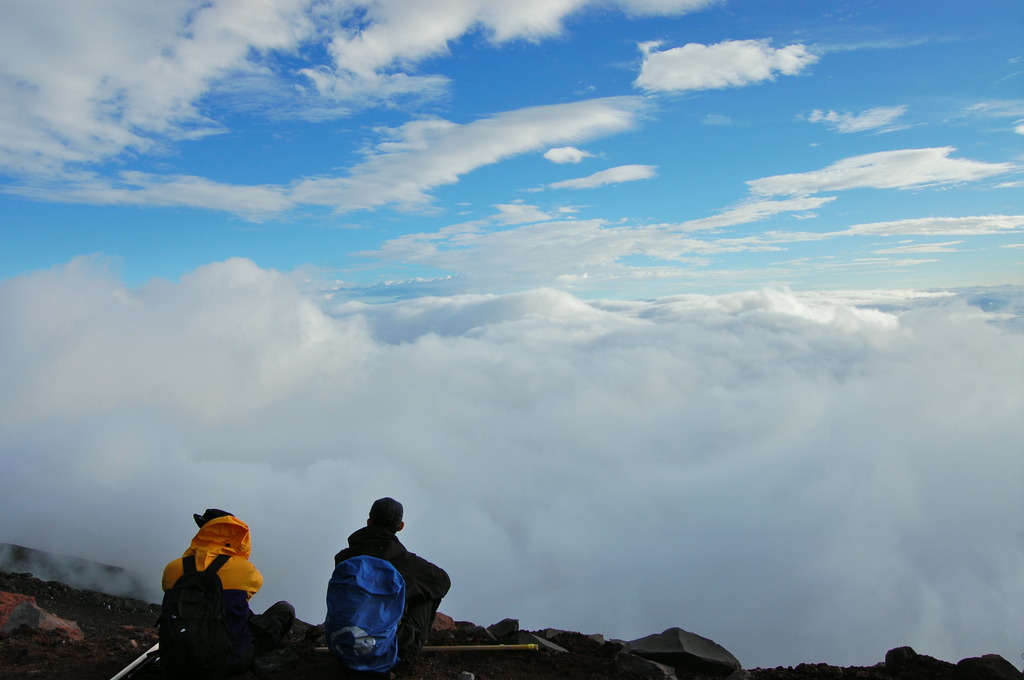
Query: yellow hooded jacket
<point x="239" y="578"/>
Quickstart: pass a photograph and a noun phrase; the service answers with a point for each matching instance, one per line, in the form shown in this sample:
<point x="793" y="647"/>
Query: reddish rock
<point x="443" y="622"/>
<point x="22" y="610"/>
<point x="8" y="601"/>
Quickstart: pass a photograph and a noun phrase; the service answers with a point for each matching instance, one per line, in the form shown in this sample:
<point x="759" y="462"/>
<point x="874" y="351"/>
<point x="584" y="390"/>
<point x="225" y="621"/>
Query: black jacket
<point x="424" y="582"/>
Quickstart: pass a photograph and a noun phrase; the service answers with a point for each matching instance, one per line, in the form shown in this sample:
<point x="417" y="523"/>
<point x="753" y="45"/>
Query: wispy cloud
<point x="590" y="252"/>
<point x="1002" y="109"/>
<point x="400" y="170"/>
<point x="84" y="86"/>
<point x="900" y="169"/>
<point x="755" y="211"/>
<point x="519" y="213"/>
<point x="254" y="203"/>
<point x="716" y="119"/>
<point x="942" y="226"/>
<point x="617" y="175"/>
<point x="882" y="117"/>
<point x="425" y="154"/>
<point x="946" y="247"/>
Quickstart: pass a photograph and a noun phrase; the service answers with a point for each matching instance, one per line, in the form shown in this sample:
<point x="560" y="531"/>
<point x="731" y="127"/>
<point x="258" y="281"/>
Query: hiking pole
<point x="465" y="648"/>
<point x="151" y="654"/>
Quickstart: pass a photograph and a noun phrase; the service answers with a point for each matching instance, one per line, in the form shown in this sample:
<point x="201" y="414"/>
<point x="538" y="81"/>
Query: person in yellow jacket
<point x="252" y="635"/>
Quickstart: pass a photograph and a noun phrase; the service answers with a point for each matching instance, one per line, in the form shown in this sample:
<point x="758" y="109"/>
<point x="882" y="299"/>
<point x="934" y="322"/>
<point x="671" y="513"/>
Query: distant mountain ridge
<point x="73" y="571"/>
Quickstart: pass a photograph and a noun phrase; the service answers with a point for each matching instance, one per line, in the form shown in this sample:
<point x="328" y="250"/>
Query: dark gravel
<point x="118" y="630"/>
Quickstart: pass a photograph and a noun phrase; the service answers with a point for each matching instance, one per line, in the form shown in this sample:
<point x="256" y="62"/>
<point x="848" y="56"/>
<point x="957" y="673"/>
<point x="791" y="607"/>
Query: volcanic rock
<point x="987" y="667"/>
<point x="524" y="638"/>
<point x="118" y="630"/>
<point x="635" y="666"/>
<point x="443" y="622"/>
<point x="504" y="628"/>
<point x="685" y="652"/>
<point x="21" y="610"/>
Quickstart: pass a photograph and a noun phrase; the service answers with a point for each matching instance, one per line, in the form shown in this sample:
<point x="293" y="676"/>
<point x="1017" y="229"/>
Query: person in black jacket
<point x="425" y="583"/>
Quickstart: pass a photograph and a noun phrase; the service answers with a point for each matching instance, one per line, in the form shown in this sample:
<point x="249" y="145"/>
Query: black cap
<point x="211" y="513"/>
<point x="386" y="512"/>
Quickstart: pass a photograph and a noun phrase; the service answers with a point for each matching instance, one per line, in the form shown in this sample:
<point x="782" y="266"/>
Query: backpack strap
<point x="189" y="563"/>
<point x="217" y="563"/>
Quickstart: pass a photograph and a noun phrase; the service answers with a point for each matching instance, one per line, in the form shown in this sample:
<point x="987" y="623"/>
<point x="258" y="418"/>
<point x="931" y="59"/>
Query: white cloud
<point x="592" y="254"/>
<point x="372" y="88"/>
<point x="1002" y="108"/>
<point x="146" y="189"/>
<point x="662" y="7"/>
<point x="566" y="154"/>
<point x="755" y="211"/>
<point x="872" y="119"/>
<point x="395" y="32"/>
<point x="425" y="154"/>
<point x="900" y="169"/>
<point x="85" y="82"/>
<point x="732" y="63"/>
<point x="400" y="170"/>
<point x="576" y="437"/>
<point x="946" y="247"/>
<point x="540" y="254"/>
<point x="716" y="119"/>
<point x="519" y="213"/>
<point x="942" y="226"/>
<point x="617" y="175"/>
<point x="979" y="225"/>
<point x="572" y="254"/>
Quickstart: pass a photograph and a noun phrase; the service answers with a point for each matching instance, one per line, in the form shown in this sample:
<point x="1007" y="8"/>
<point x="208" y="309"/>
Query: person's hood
<point x="221" y="536"/>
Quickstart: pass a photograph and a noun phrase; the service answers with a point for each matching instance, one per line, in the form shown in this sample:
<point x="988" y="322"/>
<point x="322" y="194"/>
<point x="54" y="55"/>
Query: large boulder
<point x="987" y="667"/>
<point x="904" y="661"/>
<point x="686" y="652"/>
<point x="504" y="628"/>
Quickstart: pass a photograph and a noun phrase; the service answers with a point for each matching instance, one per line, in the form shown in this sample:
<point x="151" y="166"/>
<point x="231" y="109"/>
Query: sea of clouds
<point x="798" y="477"/>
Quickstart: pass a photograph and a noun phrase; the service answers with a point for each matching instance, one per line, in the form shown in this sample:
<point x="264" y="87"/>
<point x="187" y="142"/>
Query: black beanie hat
<point x="211" y="513"/>
<point x="386" y="512"/>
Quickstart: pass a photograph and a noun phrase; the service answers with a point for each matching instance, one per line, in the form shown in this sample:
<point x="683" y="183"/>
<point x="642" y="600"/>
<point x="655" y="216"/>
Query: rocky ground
<point x="118" y="630"/>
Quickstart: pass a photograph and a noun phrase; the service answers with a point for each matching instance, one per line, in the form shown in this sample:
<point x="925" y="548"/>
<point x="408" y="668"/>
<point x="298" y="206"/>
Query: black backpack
<point x="193" y="632"/>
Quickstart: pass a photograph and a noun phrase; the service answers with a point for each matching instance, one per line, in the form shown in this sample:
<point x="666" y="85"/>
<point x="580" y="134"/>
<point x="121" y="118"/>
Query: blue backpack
<point x="365" y="601"/>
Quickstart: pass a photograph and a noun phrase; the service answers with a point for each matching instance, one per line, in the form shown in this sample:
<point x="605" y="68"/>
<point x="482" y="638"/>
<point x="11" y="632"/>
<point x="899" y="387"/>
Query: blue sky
<point x="616" y="149"/>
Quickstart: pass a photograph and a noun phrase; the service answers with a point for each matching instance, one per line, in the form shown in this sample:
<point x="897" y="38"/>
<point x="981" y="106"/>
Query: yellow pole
<point x="482" y="648"/>
<point x="468" y="648"/>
